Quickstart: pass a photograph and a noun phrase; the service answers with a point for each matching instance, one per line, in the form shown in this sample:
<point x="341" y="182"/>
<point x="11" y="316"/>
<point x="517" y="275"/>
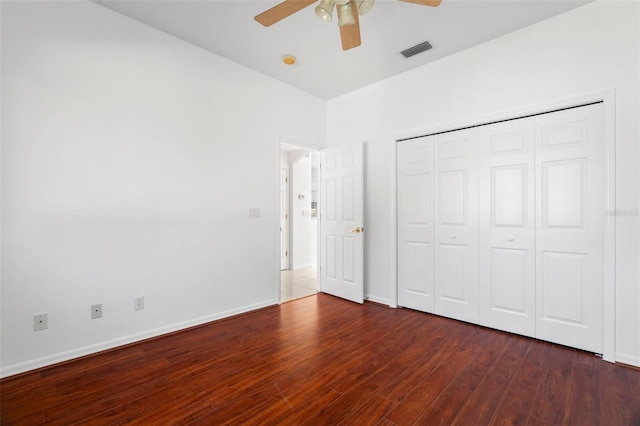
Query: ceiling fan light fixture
<point x="345" y="15"/>
<point x="364" y="6"/>
<point x="325" y="9"/>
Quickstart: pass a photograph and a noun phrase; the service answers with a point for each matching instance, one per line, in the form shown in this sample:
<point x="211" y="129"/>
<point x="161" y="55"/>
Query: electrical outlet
<point x="138" y="303"/>
<point x="40" y="322"/>
<point x="96" y="311"/>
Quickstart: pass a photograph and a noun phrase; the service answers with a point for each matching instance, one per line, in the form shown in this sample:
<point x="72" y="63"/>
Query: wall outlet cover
<point x="40" y="322"/>
<point x="96" y="311"/>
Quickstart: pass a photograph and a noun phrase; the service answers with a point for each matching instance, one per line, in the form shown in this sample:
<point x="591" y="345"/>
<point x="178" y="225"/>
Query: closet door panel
<point x="570" y="216"/>
<point x="507" y="234"/>
<point x="564" y="186"/>
<point x="453" y="258"/>
<point x="453" y="193"/>
<point x="456" y="224"/>
<point x="508" y="287"/>
<point x="509" y="187"/>
<point x="415" y="224"/>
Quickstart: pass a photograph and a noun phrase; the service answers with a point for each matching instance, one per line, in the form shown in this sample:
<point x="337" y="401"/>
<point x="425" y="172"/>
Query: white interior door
<point x="284" y="219"/>
<point x="415" y="224"/>
<point x="341" y="222"/>
<point x="569" y="221"/>
<point x="456" y="225"/>
<point x="507" y="232"/>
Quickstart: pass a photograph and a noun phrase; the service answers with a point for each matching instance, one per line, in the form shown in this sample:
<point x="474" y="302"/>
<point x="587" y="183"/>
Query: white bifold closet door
<point x="507" y="221"/>
<point x="569" y="227"/>
<point x="456" y="224"/>
<point x="503" y="225"/>
<point x="415" y="224"/>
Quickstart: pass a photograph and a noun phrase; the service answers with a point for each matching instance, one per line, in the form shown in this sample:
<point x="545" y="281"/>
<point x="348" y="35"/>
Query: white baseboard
<point x="48" y="360"/>
<point x="628" y="359"/>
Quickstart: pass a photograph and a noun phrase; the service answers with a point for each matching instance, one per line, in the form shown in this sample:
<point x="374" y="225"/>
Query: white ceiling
<point x="227" y="28"/>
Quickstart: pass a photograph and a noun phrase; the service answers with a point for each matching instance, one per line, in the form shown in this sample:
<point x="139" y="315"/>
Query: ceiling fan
<point x="347" y="10"/>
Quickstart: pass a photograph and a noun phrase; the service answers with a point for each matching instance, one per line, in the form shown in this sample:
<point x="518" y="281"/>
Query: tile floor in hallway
<point x="298" y="283"/>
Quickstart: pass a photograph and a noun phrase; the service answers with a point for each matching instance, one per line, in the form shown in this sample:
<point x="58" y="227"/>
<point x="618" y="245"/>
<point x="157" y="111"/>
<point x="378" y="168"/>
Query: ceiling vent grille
<point x="418" y="48"/>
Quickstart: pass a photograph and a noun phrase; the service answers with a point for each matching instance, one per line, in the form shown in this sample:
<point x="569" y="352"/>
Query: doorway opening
<point x="299" y="179"/>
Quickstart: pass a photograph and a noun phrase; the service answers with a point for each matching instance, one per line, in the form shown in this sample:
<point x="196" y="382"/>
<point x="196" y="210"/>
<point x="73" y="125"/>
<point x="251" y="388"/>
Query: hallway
<point x="298" y="283"/>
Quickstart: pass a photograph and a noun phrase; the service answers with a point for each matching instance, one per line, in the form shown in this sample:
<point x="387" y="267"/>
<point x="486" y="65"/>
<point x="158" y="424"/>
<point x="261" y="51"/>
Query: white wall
<point x="588" y="49"/>
<point x="129" y="162"/>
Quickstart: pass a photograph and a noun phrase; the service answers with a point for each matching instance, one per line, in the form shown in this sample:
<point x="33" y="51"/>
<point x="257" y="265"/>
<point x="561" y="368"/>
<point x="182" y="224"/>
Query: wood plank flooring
<point x="325" y="361"/>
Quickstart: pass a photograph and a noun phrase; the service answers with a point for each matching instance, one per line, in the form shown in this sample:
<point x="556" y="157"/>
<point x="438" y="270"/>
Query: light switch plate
<point x="254" y="212"/>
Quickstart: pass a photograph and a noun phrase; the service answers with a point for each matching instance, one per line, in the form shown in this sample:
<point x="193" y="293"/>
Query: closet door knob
<point x="510" y="239"/>
<point x="453" y="236"/>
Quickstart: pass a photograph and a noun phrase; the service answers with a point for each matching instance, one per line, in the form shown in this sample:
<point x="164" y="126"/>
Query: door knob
<point x="510" y="239"/>
<point x="453" y="236"/>
<point x="356" y="230"/>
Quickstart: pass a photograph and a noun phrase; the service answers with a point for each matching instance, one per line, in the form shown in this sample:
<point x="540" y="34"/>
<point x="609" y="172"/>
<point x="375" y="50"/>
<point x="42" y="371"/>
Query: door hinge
<point x="286" y="253"/>
<point x="286" y="180"/>
<point x="286" y="216"/>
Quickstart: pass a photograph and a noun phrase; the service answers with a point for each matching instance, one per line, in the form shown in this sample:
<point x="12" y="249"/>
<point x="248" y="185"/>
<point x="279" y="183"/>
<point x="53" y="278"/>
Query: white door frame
<point x="608" y="98"/>
<point x="280" y="139"/>
<point x="284" y="230"/>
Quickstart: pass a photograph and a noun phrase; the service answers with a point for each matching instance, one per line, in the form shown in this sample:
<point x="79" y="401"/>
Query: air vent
<point x="418" y="48"/>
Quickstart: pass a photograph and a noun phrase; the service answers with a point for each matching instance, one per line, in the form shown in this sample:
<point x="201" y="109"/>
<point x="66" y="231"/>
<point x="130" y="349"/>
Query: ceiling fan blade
<point x="281" y="11"/>
<point x="350" y="34"/>
<point x="432" y="3"/>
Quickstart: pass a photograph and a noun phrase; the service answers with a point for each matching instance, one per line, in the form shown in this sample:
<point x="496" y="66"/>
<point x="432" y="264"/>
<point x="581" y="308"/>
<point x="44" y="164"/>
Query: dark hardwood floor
<point x="325" y="361"/>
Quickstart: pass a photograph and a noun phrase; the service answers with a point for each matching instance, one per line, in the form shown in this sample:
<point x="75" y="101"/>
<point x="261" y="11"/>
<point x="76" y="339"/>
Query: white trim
<point x="608" y="97"/>
<point x="46" y="361"/>
<point x="609" y="237"/>
<point x="298" y="143"/>
<point x="286" y="230"/>
<point x="507" y="114"/>
<point x="393" y="154"/>
<point x="278" y="205"/>
<point x="318" y="223"/>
